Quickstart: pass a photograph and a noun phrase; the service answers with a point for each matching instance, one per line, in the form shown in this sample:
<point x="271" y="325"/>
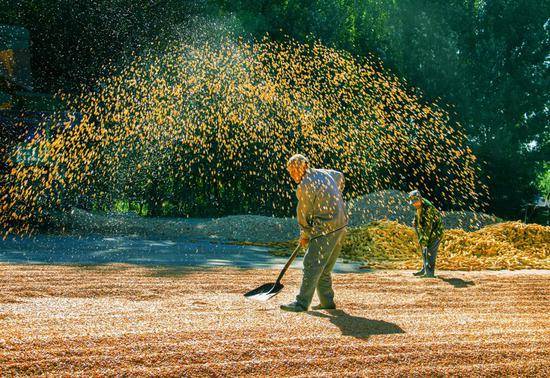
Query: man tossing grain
<point x="322" y="219"/>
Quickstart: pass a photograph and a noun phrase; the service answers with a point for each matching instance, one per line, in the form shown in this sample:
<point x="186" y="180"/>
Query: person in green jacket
<point x="428" y="224"/>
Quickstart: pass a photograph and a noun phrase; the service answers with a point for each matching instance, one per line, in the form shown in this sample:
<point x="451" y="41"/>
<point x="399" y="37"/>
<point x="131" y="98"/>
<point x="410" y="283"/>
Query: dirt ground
<point x="127" y="320"/>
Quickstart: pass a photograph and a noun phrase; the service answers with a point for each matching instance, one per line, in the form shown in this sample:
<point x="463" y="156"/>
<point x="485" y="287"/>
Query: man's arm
<point x="338" y="178"/>
<point x="420" y="232"/>
<point x="303" y="210"/>
<point x="432" y="218"/>
<point x="341" y="182"/>
<point x="436" y="222"/>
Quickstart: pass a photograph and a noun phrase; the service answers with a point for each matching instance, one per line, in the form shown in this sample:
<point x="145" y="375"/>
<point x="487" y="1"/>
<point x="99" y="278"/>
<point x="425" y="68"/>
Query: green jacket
<point x="428" y="223"/>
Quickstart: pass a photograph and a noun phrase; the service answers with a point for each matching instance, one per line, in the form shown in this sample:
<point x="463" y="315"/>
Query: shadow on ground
<point x="136" y="250"/>
<point x="357" y="326"/>
<point x="458" y="283"/>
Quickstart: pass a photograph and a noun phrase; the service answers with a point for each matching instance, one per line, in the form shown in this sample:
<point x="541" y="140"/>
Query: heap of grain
<point x="251" y="228"/>
<point x="391" y="245"/>
<point x="509" y="245"/>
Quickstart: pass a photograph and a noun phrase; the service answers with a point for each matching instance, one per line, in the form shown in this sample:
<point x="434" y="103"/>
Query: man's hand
<point x="304" y="241"/>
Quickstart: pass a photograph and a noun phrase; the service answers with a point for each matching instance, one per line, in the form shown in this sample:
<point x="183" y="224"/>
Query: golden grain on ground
<point x="126" y="320"/>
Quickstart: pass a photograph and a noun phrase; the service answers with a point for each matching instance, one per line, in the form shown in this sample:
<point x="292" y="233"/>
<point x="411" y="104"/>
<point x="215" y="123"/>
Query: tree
<point x="73" y="40"/>
<point x="486" y="60"/>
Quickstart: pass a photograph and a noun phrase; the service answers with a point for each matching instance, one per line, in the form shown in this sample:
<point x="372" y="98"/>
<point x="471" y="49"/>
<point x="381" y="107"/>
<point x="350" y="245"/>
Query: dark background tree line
<point x="488" y="60"/>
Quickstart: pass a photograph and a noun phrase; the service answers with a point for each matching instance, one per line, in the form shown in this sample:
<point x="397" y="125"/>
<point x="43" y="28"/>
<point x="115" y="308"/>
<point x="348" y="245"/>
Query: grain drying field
<point x="128" y="320"/>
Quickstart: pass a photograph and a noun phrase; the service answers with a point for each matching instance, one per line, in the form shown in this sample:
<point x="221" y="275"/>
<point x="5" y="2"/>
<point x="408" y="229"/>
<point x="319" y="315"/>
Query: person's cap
<point x="414" y="196"/>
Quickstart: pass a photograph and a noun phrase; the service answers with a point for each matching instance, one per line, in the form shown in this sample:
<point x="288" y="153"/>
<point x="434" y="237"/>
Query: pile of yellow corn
<point x="509" y="245"/>
<point x="391" y="245"/>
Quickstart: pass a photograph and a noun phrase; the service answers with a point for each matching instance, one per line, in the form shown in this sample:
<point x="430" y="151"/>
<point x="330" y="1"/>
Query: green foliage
<point x="74" y="40"/>
<point x="543" y="181"/>
<point x="486" y="59"/>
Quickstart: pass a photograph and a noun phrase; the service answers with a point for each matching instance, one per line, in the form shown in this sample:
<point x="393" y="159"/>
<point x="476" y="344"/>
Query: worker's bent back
<point x="321" y="207"/>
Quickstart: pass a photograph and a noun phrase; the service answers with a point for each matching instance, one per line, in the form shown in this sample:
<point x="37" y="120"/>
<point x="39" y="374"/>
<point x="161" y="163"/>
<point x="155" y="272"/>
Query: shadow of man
<point x="457" y="282"/>
<point x="357" y="326"/>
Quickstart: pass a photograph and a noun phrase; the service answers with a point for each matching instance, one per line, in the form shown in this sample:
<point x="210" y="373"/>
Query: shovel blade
<point x="265" y="292"/>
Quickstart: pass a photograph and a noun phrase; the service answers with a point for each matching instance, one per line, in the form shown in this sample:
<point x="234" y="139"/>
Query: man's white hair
<point x="297" y="159"/>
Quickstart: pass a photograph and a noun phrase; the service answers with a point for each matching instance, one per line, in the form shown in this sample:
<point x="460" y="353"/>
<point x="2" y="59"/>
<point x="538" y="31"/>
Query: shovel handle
<point x="287" y="265"/>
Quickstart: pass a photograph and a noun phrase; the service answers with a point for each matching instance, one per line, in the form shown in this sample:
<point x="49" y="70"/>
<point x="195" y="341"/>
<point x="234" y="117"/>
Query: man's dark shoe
<point x="419" y="273"/>
<point x="293" y="307"/>
<point x="323" y="307"/>
<point x="429" y="274"/>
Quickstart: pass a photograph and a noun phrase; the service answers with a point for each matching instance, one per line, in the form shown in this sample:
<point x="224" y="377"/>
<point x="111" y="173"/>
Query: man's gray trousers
<point x="319" y="261"/>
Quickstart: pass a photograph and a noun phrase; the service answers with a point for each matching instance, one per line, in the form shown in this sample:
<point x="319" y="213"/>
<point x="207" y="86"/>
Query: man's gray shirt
<point x="321" y="208"/>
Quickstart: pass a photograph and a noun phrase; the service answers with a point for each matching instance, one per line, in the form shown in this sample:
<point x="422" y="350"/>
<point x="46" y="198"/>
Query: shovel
<point x="269" y="290"/>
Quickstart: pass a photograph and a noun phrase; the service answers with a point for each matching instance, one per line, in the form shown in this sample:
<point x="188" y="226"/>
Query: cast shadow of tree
<point x="357" y="326"/>
<point x="458" y="283"/>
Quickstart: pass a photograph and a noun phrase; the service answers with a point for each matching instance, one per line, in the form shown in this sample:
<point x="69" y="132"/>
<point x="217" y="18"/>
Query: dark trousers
<point x="430" y="255"/>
